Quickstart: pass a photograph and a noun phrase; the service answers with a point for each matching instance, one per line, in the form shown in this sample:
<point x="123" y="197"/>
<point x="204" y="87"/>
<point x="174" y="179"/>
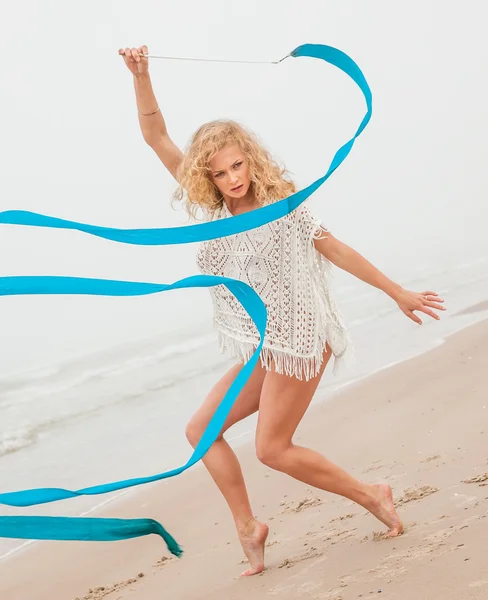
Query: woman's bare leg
<point x="223" y="465"/>
<point x="283" y="403"/>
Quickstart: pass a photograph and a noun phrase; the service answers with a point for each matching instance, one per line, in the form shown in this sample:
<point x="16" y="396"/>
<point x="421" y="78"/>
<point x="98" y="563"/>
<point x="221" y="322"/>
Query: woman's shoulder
<point x="302" y="214"/>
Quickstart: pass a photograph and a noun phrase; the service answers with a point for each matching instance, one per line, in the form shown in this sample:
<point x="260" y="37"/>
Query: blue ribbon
<point x="102" y="529"/>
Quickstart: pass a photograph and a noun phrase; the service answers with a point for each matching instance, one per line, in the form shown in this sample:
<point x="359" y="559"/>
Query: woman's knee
<point x="195" y="429"/>
<point x="270" y="454"/>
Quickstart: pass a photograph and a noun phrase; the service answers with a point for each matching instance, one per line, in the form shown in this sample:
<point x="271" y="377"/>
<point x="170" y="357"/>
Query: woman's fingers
<point x="132" y="56"/>
<point x="432" y="296"/>
<point x="435" y="305"/>
<point x="413" y="316"/>
<point x="424" y="302"/>
<point x="431" y="313"/>
<point x="424" y="307"/>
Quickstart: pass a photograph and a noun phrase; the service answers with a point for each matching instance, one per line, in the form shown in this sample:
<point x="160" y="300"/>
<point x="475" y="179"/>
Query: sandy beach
<point x="421" y="425"/>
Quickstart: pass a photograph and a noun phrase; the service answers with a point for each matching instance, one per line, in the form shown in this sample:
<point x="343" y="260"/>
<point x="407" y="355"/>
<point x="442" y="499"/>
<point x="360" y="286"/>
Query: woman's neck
<point x="237" y="206"/>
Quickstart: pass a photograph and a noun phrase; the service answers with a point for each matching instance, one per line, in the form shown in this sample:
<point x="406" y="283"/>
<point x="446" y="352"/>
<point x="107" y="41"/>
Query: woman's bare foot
<point x="252" y="540"/>
<point x="382" y="508"/>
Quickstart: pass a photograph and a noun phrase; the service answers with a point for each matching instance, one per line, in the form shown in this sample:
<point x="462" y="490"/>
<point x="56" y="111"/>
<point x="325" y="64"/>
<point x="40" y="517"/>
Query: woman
<point x="226" y="172"/>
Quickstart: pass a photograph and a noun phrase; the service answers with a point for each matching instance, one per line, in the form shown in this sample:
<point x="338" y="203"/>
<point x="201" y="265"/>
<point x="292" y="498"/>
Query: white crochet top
<point x="280" y="262"/>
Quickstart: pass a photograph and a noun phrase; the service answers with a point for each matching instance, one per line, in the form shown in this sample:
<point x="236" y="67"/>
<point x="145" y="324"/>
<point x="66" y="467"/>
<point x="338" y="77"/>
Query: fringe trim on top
<point x="284" y="363"/>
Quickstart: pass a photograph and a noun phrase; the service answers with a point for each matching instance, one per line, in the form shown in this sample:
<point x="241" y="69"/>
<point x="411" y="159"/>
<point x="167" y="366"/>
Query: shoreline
<point x="121" y="562"/>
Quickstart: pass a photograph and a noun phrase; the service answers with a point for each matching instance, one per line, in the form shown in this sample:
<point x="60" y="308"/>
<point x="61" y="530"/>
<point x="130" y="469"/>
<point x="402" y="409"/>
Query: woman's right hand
<point x="137" y="65"/>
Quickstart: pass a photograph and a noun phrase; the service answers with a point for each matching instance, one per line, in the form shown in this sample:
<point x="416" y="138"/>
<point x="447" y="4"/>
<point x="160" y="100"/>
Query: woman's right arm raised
<point x="151" y="120"/>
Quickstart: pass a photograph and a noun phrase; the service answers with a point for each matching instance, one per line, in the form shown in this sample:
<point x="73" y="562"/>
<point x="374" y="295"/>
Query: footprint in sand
<point x="343" y="517"/>
<point x="412" y="494"/>
<point x="302" y="505"/>
<point x="101" y="591"/>
<point x="341" y="536"/>
<point x="376" y="466"/>
<point x="431" y="458"/>
<point x="378" y="536"/>
<point x="162" y="562"/>
<point x="477" y="479"/>
<point x="312" y="552"/>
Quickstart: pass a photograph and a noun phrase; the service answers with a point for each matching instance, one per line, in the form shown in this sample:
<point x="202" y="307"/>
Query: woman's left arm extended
<point x="346" y="258"/>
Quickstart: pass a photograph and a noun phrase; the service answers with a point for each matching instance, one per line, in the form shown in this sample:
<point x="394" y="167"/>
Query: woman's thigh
<point x="283" y="402"/>
<point x="246" y="404"/>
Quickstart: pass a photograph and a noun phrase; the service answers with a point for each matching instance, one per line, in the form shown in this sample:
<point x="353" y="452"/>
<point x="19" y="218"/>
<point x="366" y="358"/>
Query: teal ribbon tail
<point x="102" y="529"/>
<point x="84" y="529"/>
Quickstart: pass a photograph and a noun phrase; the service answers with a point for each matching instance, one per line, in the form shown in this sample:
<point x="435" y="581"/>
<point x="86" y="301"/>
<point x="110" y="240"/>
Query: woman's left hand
<point x="424" y="302"/>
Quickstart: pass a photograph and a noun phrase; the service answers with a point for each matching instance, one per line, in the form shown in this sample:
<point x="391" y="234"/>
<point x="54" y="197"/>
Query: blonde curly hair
<point x="197" y="190"/>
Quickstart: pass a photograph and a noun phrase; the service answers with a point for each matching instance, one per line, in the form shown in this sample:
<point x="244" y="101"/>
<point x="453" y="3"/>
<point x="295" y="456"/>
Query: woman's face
<point x="230" y="172"/>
